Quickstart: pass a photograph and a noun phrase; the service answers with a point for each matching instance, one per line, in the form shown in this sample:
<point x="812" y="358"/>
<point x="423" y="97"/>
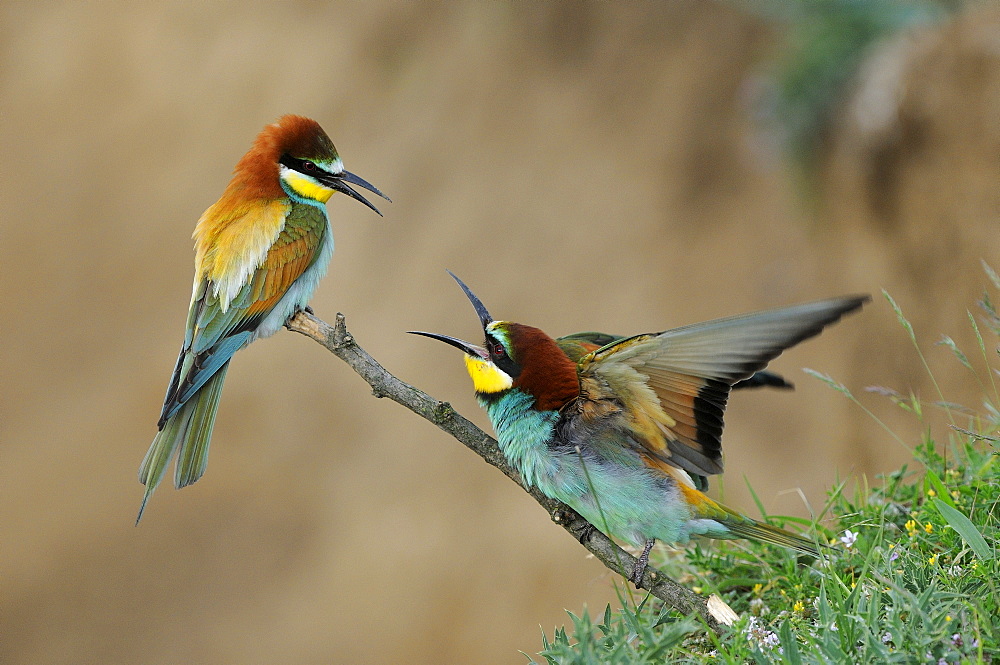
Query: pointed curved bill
<point x="484" y="316"/>
<point x="342" y="183"/>
<point x="470" y="349"/>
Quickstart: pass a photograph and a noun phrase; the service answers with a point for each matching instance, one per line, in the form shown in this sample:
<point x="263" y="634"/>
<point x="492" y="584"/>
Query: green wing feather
<point x="577" y="345"/>
<point x="215" y="333"/>
<point x="692" y="369"/>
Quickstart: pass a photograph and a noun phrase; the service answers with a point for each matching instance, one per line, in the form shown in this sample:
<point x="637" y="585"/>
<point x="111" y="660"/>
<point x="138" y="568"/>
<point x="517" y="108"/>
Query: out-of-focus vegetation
<point x="823" y="44"/>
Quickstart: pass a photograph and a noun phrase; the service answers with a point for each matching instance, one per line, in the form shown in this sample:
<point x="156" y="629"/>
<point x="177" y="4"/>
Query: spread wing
<point x="223" y="320"/>
<point x="577" y="345"/>
<point x="672" y="387"/>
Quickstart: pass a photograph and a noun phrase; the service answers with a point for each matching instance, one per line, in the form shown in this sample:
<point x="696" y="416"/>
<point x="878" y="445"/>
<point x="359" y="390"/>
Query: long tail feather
<point x="754" y="530"/>
<point x="161" y="451"/>
<point x="188" y="429"/>
<point x="193" y="456"/>
<point x="718" y="521"/>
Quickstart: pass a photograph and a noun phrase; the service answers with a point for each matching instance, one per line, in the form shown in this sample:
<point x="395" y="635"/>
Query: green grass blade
<point x="839" y="387"/>
<point x="756" y="499"/>
<point x="977" y="436"/>
<point x="982" y="351"/>
<point x="935" y="483"/>
<point x="966" y="529"/>
<point x="991" y="274"/>
<point x="913" y="339"/>
<point x="789" y="647"/>
<point x="953" y="347"/>
<point x="903" y="321"/>
<point x="828" y="380"/>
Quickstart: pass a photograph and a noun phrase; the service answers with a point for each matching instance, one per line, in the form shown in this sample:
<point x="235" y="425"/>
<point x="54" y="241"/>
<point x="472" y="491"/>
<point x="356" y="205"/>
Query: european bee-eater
<point x="625" y="430"/>
<point x="260" y="251"/>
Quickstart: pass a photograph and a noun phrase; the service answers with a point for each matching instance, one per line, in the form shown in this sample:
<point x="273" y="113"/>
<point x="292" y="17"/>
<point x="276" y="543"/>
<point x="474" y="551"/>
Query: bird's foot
<point x="584" y="533"/>
<point x="641" y="565"/>
<point x="566" y="516"/>
<point x="307" y="309"/>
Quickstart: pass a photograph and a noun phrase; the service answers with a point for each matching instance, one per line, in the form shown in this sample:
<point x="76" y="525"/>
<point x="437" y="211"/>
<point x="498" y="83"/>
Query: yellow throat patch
<point x="306" y="188"/>
<point x="487" y="377"/>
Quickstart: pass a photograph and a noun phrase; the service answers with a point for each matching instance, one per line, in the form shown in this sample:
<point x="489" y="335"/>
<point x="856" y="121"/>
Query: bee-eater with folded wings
<point x="260" y="251"/>
<point x="625" y="430"/>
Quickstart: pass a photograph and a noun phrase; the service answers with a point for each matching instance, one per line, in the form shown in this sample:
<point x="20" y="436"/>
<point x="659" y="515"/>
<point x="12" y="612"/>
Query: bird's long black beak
<point x="484" y="316"/>
<point x="468" y="348"/>
<point x="342" y="183"/>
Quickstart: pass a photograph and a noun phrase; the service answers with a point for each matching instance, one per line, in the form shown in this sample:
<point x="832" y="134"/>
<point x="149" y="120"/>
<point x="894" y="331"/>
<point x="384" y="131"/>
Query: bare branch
<point x="341" y="343"/>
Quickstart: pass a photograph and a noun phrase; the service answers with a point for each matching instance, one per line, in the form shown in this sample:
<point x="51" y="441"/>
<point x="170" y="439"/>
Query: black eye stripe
<point x="495" y="347"/>
<point x="500" y="357"/>
<point x="300" y="165"/>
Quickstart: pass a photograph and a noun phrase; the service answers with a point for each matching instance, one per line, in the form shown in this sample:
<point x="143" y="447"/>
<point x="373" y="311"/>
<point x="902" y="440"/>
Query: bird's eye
<point x="309" y="166"/>
<point x="497" y="350"/>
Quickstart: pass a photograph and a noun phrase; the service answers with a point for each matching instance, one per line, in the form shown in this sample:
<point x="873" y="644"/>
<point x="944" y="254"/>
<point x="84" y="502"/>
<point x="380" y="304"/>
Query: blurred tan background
<point x="580" y="165"/>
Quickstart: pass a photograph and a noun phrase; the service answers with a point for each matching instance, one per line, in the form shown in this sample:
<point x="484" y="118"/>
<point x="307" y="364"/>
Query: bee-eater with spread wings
<point x="626" y="433"/>
<point x="260" y="251"/>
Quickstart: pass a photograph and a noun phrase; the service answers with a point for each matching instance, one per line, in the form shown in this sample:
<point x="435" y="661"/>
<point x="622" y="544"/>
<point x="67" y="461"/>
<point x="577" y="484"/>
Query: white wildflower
<point x="756" y="632"/>
<point x="758" y="608"/>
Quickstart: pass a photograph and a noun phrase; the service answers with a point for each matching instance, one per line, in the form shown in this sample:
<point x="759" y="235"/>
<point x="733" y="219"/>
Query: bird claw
<point x="307" y="309"/>
<point x="641" y="565"/>
<point x="637" y="573"/>
<point x="585" y="532"/>
<point x="565" y="516"/>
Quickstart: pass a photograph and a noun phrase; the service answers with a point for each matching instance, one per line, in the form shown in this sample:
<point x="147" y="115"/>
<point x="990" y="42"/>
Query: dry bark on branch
<point x="341" y="343"/>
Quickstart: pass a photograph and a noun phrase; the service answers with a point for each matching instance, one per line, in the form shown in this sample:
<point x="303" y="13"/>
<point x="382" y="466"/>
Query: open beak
<point x="484" y="318"/>
<point x="342" y="183"/>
